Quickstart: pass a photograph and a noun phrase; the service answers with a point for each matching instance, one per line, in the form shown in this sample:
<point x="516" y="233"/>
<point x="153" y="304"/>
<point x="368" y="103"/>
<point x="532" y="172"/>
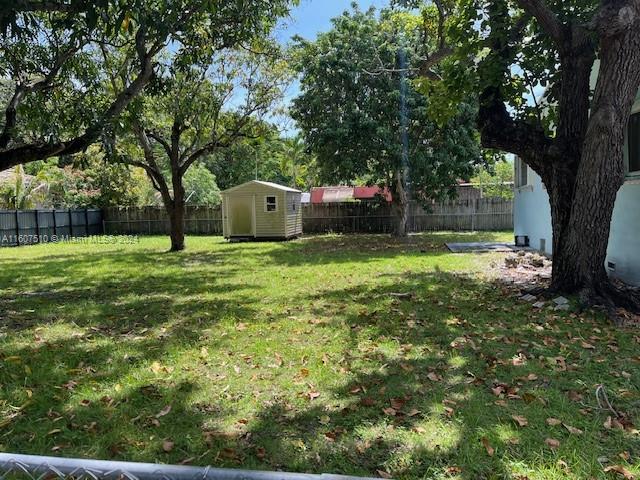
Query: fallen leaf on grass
<point x="487" y="446"/>
<point x="553" y="422"/>
<point x="389" y="411"/>
<point x="167" y="445"/>
<point x="157" y="367"/>
<point x="573" y="430"/>
<point x="552" y="442"/>
<point x="610" y="423"/>
<point x="383" y="474"/>
<point x="261" y="453"/>
<point x="520" y="420"/>
<point x="164" y="411"/>
<point x="434" y="377"/>
<point x="619" y="469"/>
<point x="453" y="470"/>
<point x="229" y="453"/>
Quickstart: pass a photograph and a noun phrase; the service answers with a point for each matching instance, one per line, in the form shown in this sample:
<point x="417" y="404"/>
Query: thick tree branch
<point x="151" y="166"/>
<point x="28" y="153"/>
<point x="22" y="90"/>
<point x="545" y="17"/>
<point x="500" y="131"/>
<point x="158" y="138"/>
<point x="615" y="17"/>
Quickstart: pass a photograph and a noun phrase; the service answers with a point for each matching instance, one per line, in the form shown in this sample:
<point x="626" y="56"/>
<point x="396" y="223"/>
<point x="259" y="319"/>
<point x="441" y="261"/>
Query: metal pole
<point x="55" y="227"/>
<point x="60" y="468"/>
<point x="70" y="224"/>
<point x="17" y="230"/>
<point x="37" y="225"/>
<point x="86" y="220"/>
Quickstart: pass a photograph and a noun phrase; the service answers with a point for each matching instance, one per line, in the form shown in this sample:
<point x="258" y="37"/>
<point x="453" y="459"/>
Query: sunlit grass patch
<point x="343" y="354"/>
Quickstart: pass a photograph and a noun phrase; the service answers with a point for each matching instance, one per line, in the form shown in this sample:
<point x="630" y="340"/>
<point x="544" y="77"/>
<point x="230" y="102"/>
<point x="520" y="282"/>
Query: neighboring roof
<point x="366" y="193"/>
<point x="266" y="184"/>
<point x="336" y="194"/>
<point x="343" y="194"/>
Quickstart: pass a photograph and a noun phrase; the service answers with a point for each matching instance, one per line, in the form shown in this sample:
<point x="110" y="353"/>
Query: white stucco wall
<point x="532" y="214"/>
<point x="532" y="217"/>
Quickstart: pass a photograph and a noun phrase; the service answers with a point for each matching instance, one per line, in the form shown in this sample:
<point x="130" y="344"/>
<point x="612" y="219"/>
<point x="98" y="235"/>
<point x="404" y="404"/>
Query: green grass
<point x="297" y="356"/>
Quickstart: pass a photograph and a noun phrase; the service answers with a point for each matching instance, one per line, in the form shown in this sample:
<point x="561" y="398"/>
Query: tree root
<point x="620" y="302"/>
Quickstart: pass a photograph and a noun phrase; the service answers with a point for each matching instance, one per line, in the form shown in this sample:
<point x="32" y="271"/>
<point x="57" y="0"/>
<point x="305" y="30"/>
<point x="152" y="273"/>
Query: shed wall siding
<point x="293" y="217"/>
<point x="267" y="224"/>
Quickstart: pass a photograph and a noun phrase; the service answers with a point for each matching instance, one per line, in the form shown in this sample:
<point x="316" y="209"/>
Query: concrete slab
<point x="479" y="247"/>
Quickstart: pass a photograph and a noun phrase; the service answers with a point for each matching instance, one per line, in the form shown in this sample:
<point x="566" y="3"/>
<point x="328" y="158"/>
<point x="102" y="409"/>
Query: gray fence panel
<point x="8" y="231"/>
<point x="42" y="226"/>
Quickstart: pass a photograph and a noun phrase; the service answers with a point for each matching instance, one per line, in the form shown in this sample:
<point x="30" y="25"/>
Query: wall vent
<point x="522" y="241"/>
<point x="543" y="244"/>
<point x="611" y="266"/>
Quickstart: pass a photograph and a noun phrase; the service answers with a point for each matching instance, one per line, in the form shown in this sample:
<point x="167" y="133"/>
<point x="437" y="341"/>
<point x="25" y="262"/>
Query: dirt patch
<point x="524" y="269"/>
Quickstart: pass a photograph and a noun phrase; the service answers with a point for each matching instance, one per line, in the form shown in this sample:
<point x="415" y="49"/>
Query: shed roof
<point x="267" y="184"/>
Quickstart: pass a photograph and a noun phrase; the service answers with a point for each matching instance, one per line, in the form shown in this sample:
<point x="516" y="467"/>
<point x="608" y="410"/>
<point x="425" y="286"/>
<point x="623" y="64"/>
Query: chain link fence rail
<point x="33" y="467"/>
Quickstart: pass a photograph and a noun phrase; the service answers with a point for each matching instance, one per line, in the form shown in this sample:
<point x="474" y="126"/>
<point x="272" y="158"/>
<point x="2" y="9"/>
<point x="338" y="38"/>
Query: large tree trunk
<point x="176" y="214"/>
<point x="579" y="262"/>
<point x="176" y="221"/>
<point x="601" y="171"/>
<point x="400" y="204"/>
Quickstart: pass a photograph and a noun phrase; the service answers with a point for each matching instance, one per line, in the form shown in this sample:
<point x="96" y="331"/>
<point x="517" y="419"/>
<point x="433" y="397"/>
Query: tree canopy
<point x="543" y="96"/>
<point x="358" y="100"/>
<point x="53" y="62"/>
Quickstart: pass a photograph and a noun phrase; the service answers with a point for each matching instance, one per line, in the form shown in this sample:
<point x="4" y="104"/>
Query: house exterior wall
<point x="532" y="217"/>
<point x="532" y="214"/>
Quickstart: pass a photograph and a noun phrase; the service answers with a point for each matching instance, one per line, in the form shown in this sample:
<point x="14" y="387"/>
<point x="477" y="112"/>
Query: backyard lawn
<point x="340" y="354"/>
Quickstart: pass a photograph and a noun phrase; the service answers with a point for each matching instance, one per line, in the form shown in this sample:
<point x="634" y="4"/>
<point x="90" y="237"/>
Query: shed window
<point x="270" y="203"/>
<point x="633" y="137"/>
<point x="522" y="173"/>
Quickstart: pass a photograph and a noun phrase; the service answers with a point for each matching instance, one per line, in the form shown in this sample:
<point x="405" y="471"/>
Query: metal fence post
<point x="70" y="224"/>
<point x="35" y="212"/>
<point x="86" y="220"/>
<point x="17" y="230"/>
<point x="55" y="224"/>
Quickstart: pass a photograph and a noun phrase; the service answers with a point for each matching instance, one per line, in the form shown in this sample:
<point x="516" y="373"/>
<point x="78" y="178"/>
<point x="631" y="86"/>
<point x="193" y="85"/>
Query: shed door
<point x="241" y="215"/>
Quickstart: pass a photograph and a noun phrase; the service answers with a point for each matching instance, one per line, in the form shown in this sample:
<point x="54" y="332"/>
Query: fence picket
<point x="349" y="217"/>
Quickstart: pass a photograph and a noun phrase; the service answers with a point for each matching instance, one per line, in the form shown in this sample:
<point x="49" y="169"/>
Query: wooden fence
<point x="154" y="221"/>
<point x="351" y="217"/>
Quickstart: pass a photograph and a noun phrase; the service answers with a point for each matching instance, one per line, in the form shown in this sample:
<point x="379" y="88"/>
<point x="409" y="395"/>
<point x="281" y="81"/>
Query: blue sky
<point x="313" y="16"/>
<point x="307" y="20"/>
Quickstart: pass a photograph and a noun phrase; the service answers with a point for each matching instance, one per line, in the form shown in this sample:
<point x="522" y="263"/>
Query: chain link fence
<point x="32" y="467"/>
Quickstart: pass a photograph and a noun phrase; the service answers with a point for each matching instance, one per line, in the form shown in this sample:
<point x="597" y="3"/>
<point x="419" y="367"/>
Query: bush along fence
<point x="483" y="214"/>
<point x="27" y="227"/>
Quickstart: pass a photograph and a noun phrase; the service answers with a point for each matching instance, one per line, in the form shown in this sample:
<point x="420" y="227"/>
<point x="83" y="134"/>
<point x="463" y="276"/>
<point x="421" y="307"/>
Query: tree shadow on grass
<point x="429" y="365"/>
<point x="434" y="370"/>
<point x="361" y="248"/>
